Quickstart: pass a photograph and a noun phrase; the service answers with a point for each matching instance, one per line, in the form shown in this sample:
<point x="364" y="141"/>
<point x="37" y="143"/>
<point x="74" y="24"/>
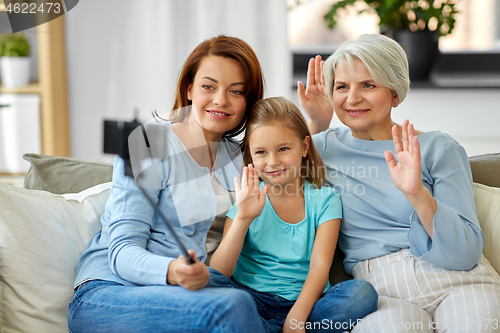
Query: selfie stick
<point x="123" y="152"/>
<point x="185" y="253"/>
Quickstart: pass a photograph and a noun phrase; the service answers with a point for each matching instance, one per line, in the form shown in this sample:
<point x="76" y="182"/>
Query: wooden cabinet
<point x="52" y="87"/>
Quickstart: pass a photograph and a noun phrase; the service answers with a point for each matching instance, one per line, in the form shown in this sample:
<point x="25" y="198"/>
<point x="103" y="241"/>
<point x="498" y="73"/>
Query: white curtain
<point x="127" y="54"/>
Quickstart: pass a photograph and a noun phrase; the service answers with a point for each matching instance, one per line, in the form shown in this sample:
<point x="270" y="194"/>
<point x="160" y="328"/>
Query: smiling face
<point x="362" y="104"/>
<point x="277" y="154"/>
<point x="217" y="95"/>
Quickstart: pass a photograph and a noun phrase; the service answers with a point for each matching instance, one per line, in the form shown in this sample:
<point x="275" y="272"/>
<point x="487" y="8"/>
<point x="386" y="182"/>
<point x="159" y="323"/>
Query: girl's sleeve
<point x="330" y="205"/>
<point x="130" y="217"/>
<point x="231" y="213"/>
<point x="457" y="242"/>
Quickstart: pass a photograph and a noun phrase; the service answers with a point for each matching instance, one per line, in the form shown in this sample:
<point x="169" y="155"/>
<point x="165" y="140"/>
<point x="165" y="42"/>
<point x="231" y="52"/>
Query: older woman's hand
<point x="406" y="174"/>
<point x="314" y="99"/>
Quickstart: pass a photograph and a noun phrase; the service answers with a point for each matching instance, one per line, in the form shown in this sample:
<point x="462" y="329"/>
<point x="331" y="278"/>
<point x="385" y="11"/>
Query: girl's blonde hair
<point x="281" y="112"/>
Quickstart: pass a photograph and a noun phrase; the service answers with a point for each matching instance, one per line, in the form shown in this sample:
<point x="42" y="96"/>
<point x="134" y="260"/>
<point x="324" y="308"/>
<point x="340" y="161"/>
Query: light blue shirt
<point x="134" y="245"/>
<point x="378" y="219"/>
<point x="275" y="255"/>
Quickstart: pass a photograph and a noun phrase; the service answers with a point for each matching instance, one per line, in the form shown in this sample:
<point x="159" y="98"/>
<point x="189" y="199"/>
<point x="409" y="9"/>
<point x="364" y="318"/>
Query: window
<point x="477" y="25"/>
<point x="471" y="51"/>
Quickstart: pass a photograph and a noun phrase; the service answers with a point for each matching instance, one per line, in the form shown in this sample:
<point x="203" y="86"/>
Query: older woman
<point x="410" y="226"/>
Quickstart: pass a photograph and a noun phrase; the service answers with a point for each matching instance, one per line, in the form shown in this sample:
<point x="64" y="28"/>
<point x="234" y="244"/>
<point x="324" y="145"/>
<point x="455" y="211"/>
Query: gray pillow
<point x="61" y="175"/>
<point x="486" y="169"/>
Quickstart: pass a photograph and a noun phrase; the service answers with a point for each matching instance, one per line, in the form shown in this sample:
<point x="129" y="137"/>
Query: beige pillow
<point x="42" y="235"/>
<point x="488" y="211"/>
<point x="61" y="175"/>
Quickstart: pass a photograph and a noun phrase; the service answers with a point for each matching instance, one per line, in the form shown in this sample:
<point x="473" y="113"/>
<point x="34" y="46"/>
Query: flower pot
<point x="422" y="50"/>
<point x="14" y="71"/>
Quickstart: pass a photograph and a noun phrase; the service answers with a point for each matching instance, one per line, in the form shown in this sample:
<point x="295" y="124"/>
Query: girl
<point x="280" y="236"/>
<point x="131" y="277"/>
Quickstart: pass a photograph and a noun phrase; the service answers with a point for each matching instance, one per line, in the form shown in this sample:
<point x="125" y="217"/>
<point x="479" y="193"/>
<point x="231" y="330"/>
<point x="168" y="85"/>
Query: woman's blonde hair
<point x="281" y="112"/>
<point x="384" y="58"/>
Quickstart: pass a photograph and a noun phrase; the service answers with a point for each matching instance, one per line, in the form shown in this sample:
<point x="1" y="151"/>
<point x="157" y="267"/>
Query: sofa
<point x="45" y="226"/>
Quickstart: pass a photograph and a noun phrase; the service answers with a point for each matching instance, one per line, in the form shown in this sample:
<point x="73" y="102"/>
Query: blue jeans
<point x="105" y="306"/>
<point x="337" y="310"/>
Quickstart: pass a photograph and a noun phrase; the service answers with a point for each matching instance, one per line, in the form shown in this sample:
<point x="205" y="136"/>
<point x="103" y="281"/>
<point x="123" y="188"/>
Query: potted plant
<point x="14" y="60"/>
<point x="416" y="25"/>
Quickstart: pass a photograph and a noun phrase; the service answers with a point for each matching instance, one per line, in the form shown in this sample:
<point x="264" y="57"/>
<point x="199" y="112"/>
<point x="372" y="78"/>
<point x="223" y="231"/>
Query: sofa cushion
<point x="42" y="235"/>
<point x="61" y="175"/>
<point x="486" y="169"/>
<point x="488" y="211"/>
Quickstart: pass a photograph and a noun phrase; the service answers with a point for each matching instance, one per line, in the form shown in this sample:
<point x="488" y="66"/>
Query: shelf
<point x="32" y="88"/>
<point x="52" y="87"/>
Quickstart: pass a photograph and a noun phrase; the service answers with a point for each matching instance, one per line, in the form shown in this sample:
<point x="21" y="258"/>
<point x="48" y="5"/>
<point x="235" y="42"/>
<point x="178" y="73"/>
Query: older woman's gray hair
<point x="384" y="58"/>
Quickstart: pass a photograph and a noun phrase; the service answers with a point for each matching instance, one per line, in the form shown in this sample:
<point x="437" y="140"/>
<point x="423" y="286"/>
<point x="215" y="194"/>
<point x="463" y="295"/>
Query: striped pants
<point x="415" y="296"/>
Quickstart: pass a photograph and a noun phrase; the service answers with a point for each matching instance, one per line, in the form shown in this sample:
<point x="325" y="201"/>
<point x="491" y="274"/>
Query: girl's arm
<point x="250" y="202"/>
<point x="225" y="257"/>
<point x="317" y="278"/>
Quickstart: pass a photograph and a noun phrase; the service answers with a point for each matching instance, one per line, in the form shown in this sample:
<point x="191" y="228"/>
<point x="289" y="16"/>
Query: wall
<point x="123" y="56"/>
<point x="471" y="116"/>
<point x="127" y="54"/>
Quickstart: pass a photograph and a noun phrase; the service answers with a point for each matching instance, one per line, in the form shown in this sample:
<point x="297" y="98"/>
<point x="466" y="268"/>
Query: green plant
<point x="438" y="15"/>
<point x="14" y="45"/>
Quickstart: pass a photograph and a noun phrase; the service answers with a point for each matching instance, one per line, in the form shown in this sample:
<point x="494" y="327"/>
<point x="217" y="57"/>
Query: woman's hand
<point x="407" y="175"/>
<point x="407" y="172"/>
<point x="314" y="99"/>
<point x="249" y="199"/>
<point x="191" y="277"/>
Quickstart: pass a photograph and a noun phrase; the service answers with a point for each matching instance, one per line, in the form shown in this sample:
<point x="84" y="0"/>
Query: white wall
<point x="124" y="54"/>
<point x="127" y="54"/>
<point x="470" y="116"/>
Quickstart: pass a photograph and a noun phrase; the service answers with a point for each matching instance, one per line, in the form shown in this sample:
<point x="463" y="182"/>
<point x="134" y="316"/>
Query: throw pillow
<point x="41" y="238"/>
<point x="485" y="169"/>
<point x="488" y="211"/>
<point x="61" y="175"/>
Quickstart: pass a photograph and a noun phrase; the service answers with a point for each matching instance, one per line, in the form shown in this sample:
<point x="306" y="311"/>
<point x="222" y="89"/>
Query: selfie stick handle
<point x="188" y="257"/>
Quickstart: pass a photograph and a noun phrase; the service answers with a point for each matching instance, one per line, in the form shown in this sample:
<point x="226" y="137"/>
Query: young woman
<point x="410" y="225"/>
<point x="132" y="276"/>
<point x="280" y="236"/>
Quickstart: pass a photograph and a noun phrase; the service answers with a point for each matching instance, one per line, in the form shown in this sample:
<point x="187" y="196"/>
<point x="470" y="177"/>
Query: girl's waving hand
<point x="249" y="199"/>
<point x="250" y="202"/>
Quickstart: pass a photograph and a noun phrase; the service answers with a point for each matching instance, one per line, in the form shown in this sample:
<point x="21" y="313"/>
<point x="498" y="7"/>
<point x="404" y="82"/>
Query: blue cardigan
<point x="378" y="219"/>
